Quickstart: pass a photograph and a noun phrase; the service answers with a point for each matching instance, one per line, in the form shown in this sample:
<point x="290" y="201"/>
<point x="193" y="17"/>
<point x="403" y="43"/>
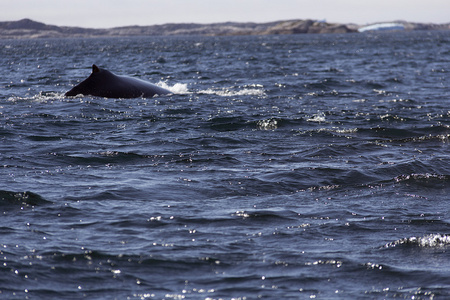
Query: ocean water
<point x="281" y="167"/>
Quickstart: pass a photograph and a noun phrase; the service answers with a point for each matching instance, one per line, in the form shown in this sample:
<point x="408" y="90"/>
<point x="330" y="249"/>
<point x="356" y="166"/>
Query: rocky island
<point x="26" y="29"/>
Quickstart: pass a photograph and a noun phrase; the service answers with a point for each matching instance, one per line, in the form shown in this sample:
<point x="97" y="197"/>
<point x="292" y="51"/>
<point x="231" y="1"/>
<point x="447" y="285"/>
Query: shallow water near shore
<point x="302" y="166"/>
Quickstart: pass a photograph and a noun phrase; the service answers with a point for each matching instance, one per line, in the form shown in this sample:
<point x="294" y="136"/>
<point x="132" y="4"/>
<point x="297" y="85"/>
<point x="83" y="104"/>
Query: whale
<point x="103" y="83"/>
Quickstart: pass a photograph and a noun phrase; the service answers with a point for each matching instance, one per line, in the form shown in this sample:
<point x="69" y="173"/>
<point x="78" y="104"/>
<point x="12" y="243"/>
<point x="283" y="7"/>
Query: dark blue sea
<point x="281" y="167"/>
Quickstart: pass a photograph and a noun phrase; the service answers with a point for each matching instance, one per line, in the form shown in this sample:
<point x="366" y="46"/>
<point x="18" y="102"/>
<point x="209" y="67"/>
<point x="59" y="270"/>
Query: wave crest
<point x="430" y="240"/>
<point x="415" y="177"/>
<point x="23" y="199"/>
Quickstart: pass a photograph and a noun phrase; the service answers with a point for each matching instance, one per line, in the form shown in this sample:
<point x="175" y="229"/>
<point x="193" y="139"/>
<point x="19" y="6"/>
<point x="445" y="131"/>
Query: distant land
<point x="29" y="29"/>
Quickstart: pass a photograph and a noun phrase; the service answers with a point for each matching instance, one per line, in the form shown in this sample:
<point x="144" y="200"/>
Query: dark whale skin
<point x="103" y="83"/>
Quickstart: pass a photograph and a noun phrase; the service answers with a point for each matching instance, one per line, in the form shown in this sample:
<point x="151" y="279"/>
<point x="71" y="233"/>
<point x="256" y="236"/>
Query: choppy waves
<point x="280" y="167"/>
<point x="9" y="199"/>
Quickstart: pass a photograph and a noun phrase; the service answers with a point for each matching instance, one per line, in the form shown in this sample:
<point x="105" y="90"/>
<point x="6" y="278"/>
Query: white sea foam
<point x="431" y="240"/>
<point x="268" y="124"/>
<point x="419" y="176"/>
<point x="253" y="90"/>
<point x="41" y="97"/>
<point x="319" y="117"/>
<point x="177" y="88"/>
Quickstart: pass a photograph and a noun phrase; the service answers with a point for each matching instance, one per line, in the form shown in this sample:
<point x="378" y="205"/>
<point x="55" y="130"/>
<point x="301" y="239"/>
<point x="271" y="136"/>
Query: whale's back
<point x="103" y="83"/>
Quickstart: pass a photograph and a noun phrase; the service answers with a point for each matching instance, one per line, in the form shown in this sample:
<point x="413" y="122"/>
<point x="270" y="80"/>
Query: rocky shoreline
<point x="29" y="29"/>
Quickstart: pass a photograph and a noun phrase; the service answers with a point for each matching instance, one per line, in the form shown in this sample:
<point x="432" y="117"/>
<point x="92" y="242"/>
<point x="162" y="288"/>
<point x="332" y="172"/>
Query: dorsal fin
<point x="95" y="69"/>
